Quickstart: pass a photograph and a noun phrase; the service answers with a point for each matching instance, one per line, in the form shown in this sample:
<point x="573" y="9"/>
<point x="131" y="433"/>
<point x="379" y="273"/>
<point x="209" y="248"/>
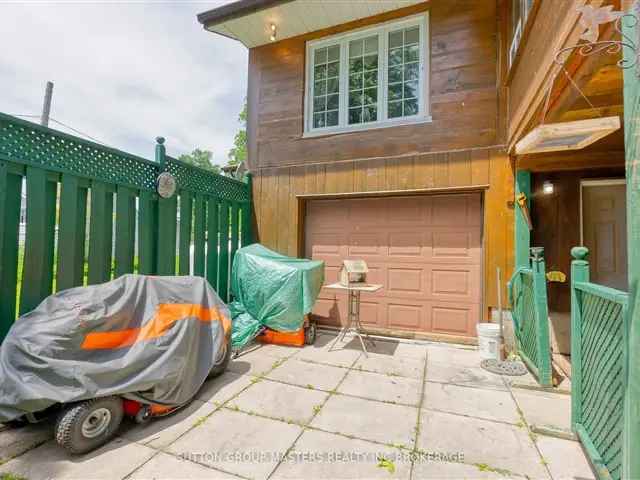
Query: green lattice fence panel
<point x="599" y="362"/>
<point x="528" y="296"/>
<point x="74" y="212"/>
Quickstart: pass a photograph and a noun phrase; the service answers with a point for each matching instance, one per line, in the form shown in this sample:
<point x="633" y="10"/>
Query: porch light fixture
<point x="273" y="32"/>
<point x="575" y="135"/>
<point x="547" y="187"/>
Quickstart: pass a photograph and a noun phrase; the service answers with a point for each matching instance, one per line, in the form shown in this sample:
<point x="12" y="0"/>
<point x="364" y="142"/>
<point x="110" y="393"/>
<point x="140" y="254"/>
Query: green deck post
<point x="37" y="273"/>
<point x="186" y="222"/>
<point x="71" y="233"/>
<point x="199" y="235"/>
<point x="223" y="273"/>
<point x="631" y="448"/>
<point x="213" y="224"/>
<point x="579" y="273"/>
<point x="147" y="232"/>
<point x="542" y="316"/>
<point x="522" y="233"/>
<point x="10" y="188"/>
<point x="100" y="233"/>
<point x="125" y="231"/>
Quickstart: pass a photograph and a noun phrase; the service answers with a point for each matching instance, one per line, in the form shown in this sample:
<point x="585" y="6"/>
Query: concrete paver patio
<point x="408" y="410"/>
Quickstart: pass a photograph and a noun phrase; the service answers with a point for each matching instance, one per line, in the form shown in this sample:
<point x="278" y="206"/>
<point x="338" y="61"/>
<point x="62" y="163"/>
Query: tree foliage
<point x="200" y="158"/>
<point x="238" y="153"/>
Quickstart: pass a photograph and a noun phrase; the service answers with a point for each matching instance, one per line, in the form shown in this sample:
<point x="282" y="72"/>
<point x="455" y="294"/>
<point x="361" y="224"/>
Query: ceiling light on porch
<point x="273" y="32"/>
<point x="575" y="135"/>
<point x="547" y="187"/>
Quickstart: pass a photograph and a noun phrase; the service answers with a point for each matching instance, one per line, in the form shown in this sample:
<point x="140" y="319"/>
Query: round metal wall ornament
<point x="166" y="185"/>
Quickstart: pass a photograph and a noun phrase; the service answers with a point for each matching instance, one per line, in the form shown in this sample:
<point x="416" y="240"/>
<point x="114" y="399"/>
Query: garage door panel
<point x="454" y="283"/>
<point x="454" y="319"/>
<point x="424" y="250"/>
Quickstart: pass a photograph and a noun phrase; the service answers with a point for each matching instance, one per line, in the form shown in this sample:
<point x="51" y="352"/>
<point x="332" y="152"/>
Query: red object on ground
<point x="131" y="407"/>
<point x="292" y="339"/>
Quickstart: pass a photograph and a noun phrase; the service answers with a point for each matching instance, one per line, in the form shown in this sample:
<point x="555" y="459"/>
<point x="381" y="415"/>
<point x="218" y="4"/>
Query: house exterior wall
<point x="460" y="150"/>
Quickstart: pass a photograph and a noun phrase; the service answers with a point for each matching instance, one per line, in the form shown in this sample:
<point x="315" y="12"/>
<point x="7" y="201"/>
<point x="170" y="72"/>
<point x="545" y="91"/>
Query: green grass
<point x="11" y="476"/>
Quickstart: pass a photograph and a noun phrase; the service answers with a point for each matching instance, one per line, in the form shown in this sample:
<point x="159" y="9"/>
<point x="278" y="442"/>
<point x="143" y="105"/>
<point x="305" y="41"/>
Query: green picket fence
<point x="92" y="214"/>
<point x="599" y="358"/>
<point x="528" y="296"/>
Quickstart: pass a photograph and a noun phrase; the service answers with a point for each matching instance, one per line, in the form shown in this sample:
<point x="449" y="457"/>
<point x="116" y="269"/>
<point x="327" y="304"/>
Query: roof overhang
<point x="250" y="21"/>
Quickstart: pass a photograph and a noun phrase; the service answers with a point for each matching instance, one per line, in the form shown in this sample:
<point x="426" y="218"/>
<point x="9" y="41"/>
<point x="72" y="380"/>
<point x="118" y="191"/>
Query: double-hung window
<point x="368" y="78"/>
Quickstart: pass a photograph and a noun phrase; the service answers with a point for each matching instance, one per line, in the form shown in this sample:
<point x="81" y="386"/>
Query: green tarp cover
<point x="271" y="290"/>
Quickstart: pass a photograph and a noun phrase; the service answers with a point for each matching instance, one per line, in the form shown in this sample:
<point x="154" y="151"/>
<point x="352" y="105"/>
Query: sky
<point x="125" y="72"/>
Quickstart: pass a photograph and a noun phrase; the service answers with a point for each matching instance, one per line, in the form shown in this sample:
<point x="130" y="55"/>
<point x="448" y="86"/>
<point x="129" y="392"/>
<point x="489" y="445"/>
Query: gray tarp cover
<point x="157" y="337"/>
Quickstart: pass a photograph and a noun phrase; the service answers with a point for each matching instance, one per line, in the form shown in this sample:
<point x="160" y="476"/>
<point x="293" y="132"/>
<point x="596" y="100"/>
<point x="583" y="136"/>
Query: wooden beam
<point x="559" y="161"/>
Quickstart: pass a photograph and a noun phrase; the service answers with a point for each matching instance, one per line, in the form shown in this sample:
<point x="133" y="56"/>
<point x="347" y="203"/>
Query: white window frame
<point x="382" y="30"/>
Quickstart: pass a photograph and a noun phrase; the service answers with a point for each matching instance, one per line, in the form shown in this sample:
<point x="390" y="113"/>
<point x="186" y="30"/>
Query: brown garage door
<point x="424" y="250"/>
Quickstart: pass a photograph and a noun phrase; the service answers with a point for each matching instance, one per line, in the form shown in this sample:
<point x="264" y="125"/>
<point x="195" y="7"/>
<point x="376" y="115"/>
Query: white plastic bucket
<point x="489" y="340"/>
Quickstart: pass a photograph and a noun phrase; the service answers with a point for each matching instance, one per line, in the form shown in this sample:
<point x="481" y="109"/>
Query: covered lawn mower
<point x="273" y="296"/>
<point x="140" y="346"/>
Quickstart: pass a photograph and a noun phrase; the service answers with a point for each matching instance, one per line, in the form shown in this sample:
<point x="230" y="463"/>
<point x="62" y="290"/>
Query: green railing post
<point x="579" y="273"/>
<point x="542" y="316"/>
<point x="521" y="230"/>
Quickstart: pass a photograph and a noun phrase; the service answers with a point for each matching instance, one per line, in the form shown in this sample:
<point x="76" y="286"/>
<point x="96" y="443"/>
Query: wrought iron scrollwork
<point x="609" y="47"/>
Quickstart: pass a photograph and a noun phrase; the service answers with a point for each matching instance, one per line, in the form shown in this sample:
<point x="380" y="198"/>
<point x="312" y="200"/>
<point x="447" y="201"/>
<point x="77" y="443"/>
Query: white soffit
<point x="302" y="16"/>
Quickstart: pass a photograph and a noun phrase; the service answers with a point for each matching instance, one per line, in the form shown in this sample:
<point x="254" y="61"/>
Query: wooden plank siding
<point x="281" y="192"/>
<point x="461" y="149"/>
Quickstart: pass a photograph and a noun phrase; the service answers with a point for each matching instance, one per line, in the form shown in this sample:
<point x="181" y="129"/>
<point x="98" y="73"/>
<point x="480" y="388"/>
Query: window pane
<point x="371" y="96"/>
<point x="334" y="53"/>
<point x="410" y="107"/>
<point x="355" y="65"/>
<point x="411" y="72"/>
<point x="319" y="104"/>
<point x="355" y="99"/>
<point x="411" y="90"/>
<point x="332" y="102"/>
<point x="355" y="115"/>
<point x="370" y="114"/>
<point x="370" y="79"/>
<point x="320" y="72"/>
<point x="371" y="45"/>
<point x="371" y="62"/>
<point x="412" y="35"/>
<point x="320" y="56"/>
<point x="395" y="56"/>
<point x="355" y="48"/>
<point x="395" y="39"/>
<point x="318" y="120"/>
<point x="332" y="118"/>
<point x="403" y="91"/>
<point x="333" y="85"/>
<point x="333" y="70"/>
<point x="395" y="74"/>
<point x="395" y="109"/>
<point x="395" y="91"/>
<point x="320" y="88"/>
<point x="355" y="81"/>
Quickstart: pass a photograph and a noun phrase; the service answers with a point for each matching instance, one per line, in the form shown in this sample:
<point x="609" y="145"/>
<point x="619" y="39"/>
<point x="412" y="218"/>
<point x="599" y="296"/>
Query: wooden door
<point x="605" y="232"/>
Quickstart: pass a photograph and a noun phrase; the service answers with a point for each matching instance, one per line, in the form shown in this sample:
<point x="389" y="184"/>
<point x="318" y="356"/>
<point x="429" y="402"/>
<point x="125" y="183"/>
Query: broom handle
<point x="499" y="279"/>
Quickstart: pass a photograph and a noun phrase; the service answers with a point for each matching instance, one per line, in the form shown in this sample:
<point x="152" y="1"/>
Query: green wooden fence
<point x="528" y="297"/>
<point x="92" y="214"/>
<point x="599" y="355"/>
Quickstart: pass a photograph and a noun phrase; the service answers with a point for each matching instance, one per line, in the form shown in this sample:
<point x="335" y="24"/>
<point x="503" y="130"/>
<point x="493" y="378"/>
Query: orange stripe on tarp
<point x="166" y="315"/>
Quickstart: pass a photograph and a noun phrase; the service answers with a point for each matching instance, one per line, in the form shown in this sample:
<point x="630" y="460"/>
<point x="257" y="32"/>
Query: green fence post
<point x="125" y="231"/>
<point x="71" y="232"/>
<point x="37" y="273"/>
<point x="186" y="223"/>
<point x="223" y="269"/>
<point x="521" y="230"/>
<point x="100" y="233"/>
<point x="579" y="273"/>
<point x="10" y="188"/>
<point x="542" y="316"/>
<point x="631" y="445"/>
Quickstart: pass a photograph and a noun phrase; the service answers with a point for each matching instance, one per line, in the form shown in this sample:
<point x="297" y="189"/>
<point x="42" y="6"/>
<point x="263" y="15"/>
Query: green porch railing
<point x="92" y="214"/>
<point x="598" y="366"/>
<point x="528" y="296"/>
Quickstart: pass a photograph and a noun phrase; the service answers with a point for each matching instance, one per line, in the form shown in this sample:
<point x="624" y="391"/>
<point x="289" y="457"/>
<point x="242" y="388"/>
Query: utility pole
<point x="46" y="107"/>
